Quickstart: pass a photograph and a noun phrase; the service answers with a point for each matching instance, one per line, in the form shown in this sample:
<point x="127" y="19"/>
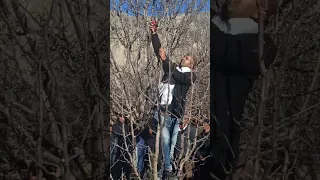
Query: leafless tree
<point x="135" y="71"/>
<point x="53" y="89"/>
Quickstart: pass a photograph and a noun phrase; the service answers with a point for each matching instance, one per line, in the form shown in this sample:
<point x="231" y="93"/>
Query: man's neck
<point x="183" y="69"/>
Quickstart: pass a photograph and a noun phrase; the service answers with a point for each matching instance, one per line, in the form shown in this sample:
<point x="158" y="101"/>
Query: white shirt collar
<point x="183" y="69"/>
<point x="237" y="25"/>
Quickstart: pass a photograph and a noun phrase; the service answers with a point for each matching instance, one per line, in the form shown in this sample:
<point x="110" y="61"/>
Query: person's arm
<point x="160" y="52"/>
<point x="165" y="67"/>
<point x="156" y="43"/>
<point x="184" y="78"/>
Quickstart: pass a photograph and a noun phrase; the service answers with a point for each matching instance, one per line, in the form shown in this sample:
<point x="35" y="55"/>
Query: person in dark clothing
<point x="142" y="149"/>
<point x="202" y="151"/>
<point x="173" y="91"/>
<point x="203" y="141"/>
<point x="202" y="146"/>
<point x="183" y="134"/>
<point x="119" y="152"/>
<point x="234" y="67"/>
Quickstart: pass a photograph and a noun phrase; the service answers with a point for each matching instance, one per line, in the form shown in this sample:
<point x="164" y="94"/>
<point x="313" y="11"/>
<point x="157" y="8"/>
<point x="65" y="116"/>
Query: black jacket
<point x="234" y="67"/>
<point x="178" y="80"/>
<point x="117" y="139"/>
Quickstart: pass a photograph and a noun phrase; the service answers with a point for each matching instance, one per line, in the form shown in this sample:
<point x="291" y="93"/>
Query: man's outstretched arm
<point x="156" y="43"/>
<point x="160" y="52"/>
<point x="155" y="38"/>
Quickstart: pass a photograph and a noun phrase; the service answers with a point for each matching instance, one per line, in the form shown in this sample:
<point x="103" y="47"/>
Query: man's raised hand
<point x="162" y="54"/>
<point x="153" y="27"/>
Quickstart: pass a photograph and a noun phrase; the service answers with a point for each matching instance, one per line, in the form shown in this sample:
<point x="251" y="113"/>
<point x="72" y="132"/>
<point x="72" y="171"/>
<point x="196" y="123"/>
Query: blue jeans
<point x="141" y="152"/>
<point x="169" y="137"/>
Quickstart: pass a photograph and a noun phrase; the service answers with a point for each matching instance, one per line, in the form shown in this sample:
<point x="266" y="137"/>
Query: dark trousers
<point x="119" y="159"/>
<point x="228" y="97"/>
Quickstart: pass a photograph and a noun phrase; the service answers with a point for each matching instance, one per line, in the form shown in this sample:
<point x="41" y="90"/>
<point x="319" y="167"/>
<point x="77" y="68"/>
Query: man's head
<point x="121" y="119"/>
<point x="248" y="8"/>
<point x="206" y="125"/>
<point x="188" y="61"/>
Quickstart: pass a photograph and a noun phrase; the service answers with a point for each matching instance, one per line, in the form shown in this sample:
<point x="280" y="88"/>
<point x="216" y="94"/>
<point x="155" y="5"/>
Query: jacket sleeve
<point x="156" y="46"/>
<point x="165" y="67"/>
<point x="183" y="78"/>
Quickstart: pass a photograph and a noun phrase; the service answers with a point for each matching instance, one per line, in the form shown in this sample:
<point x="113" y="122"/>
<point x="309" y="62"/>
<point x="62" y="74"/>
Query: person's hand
<point x="162" y="54"/>
<point x="153" y="27"/>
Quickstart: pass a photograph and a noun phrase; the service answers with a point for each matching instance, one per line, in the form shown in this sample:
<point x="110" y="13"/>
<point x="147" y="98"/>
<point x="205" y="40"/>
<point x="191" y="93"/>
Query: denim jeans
<point x="141" y="152"/>
<point x="169" y="137"/>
